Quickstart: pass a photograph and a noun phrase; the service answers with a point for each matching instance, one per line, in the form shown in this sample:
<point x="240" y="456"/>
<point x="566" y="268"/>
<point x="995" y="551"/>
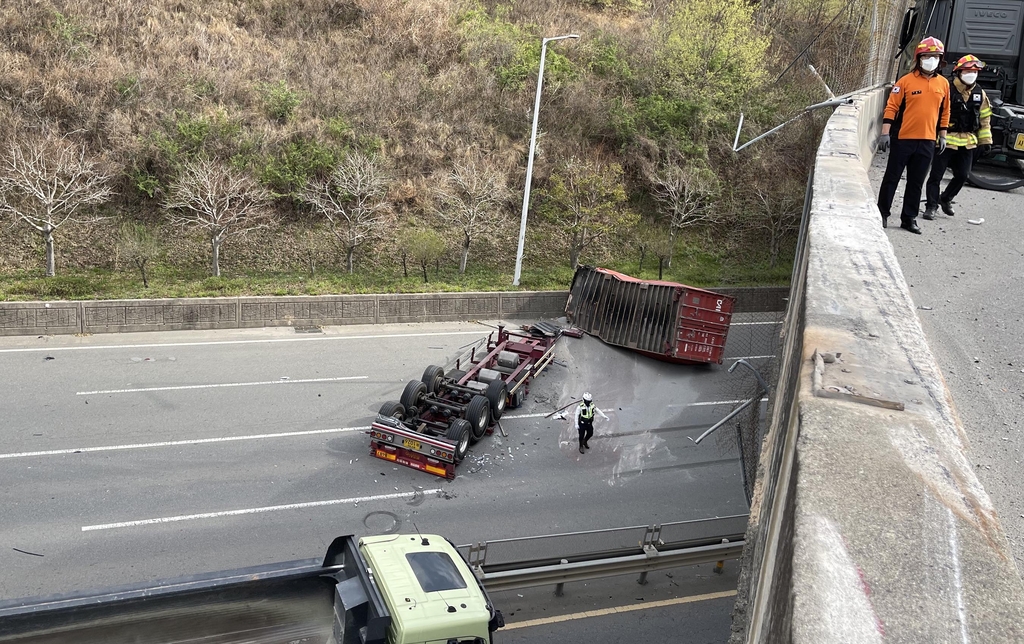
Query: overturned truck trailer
<point x="663" y="320"/>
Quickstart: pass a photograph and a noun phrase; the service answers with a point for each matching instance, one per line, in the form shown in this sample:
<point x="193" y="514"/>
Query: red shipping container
<point x="663" y="320"/>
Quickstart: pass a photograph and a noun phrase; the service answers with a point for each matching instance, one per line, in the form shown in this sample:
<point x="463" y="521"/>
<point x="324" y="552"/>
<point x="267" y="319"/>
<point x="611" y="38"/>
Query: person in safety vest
<point x="970" y="115"/>
<point x="584" y="420"/>
<point x="917" y="113"/>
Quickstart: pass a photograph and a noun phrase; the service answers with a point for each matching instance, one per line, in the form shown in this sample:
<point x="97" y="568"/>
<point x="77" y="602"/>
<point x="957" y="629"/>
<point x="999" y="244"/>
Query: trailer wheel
<point x="432" y="376"/>
<point x="413" y="395"/>
<point x="478" y="413"/>
<point x="461" y="432"/>
<point x="394" y="409"/>
<point x="497" y="395"/>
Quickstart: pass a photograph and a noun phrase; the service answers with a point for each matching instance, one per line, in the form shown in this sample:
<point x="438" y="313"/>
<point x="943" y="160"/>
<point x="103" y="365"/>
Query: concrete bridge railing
<point x="869" y="524"/>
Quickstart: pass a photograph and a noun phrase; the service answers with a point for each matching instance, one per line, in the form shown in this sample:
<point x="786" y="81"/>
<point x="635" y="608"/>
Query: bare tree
<point x="212" y="196"/>
<point x="585" y="201"/>
<point x="353" y="199"/>
<point x="470" y="200"/>
<point x="684" y="195"/>
<point x="45" y="182"/>
<point x="777" y="214"/>
<point x="138" y="245"/>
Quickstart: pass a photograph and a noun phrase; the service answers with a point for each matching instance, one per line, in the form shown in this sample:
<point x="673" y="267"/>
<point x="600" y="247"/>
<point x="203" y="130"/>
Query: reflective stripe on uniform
<point x="960" y="139"/>
<point x="587" y="412"/>
<point x="986" y="111"/>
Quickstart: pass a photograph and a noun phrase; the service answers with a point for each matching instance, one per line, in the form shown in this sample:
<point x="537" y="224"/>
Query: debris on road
<point x="976" y="222"/>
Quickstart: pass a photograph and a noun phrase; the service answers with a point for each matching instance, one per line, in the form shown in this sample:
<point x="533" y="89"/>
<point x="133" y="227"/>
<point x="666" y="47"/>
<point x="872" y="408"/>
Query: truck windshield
<point x="435" y="571"/>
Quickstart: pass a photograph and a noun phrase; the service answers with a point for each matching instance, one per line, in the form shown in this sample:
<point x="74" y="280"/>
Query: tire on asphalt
<point x="478" y="413"/>
<point x="413" y="395"/>
<point x="461" y="433"/>
<point x="497" y="395"/>
<point x="432" y="376"/>
<point x="394" y="409"/>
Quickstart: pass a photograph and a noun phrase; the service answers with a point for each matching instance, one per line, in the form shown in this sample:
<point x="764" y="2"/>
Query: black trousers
<point x="959" y="161"/>
<point x="914" y="156"/>
<point x="586" y="431"/>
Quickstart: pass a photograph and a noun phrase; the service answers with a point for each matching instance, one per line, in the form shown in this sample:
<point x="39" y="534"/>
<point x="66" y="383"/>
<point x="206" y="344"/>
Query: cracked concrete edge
<point x="894" y="537"/>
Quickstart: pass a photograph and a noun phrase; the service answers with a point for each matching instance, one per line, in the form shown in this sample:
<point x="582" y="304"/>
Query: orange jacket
<point x="918" y="106"/>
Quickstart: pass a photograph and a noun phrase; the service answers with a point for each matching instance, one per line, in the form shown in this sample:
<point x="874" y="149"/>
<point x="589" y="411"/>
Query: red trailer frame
<point x="431" y="427"/>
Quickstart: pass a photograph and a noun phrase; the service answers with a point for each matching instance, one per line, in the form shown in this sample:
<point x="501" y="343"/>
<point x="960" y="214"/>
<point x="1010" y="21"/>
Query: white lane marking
<point x="714" y="402"/>
<point x="263" y="341"/>
<point x="270" y="508"/>
<point x="225" y="384"/>
<point x="194" y="441"/>
<point x="618" y="610"/>
<point x="753" y="323"/>
<point x="746" y="357"/>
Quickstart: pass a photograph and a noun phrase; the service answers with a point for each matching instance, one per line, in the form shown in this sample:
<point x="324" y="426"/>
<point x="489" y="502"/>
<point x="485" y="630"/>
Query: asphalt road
<point x="131" y="458"/>
<point x="967" y="282"/>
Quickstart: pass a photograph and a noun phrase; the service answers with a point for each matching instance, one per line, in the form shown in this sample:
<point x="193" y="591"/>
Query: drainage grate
<point x="308" y="329"/>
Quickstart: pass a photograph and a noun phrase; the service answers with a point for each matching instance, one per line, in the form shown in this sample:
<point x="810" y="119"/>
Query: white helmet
<point x="587" y="397"/>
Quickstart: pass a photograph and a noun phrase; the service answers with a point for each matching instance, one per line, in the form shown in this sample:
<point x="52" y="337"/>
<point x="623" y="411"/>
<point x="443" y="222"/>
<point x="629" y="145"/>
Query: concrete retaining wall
<point x="111" y="316"/>
<point x="882" y="533"/>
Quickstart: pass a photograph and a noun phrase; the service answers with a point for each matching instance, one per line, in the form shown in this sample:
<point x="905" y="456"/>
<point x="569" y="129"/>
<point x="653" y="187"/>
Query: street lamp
<point x="529" y="163"/>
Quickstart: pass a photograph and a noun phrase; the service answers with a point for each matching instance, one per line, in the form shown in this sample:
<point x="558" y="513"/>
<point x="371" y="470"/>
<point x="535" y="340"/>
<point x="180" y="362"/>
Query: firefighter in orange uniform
<point x="916" y="118"/>
<point x="970" y="116"/>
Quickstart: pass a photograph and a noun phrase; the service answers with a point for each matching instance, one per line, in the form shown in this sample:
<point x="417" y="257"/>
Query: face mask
<point x="929" y="64"/>
<point x="969" y="78"/>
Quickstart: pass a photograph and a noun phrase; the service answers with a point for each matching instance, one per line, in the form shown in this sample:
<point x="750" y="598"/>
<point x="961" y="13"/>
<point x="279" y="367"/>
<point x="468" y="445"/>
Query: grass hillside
<point x="636" y="126"/>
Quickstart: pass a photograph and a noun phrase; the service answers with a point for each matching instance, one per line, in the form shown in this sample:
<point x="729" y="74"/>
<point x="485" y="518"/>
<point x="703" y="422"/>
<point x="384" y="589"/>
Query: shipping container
<point x="664" y="320"/>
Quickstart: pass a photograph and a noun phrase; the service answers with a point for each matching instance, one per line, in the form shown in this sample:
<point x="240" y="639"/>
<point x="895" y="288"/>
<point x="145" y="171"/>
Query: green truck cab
<point x="432" y="594"/>
<point x="391" y="589"/>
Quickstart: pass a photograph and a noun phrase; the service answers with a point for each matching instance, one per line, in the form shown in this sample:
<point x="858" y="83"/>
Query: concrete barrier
<point x="870" y="524"/>
<point x="112" y="316"/>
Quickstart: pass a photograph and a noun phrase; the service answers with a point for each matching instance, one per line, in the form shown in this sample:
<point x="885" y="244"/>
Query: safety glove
<point x="883" y="143"/>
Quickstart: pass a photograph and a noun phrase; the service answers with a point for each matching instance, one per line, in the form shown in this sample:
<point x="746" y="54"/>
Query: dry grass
<point x="413" y="80"/>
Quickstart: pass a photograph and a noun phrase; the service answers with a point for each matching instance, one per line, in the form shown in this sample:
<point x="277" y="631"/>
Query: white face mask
<point x="929" y="64"/>
<point x="969" y="78"/>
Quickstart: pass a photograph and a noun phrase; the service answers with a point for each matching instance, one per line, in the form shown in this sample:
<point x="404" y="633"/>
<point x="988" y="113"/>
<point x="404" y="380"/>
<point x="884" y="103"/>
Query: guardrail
<point x="555" y="559"/>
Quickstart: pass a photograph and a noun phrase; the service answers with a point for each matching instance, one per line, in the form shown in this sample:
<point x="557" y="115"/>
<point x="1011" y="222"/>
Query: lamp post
<point x="529" y="163"/>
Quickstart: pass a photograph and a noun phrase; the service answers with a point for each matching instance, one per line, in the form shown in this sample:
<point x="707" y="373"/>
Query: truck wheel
<point x="413" y="396"/>
<point x="995" y="176"/>
<point x="461" y="432"/>
<point x="478" y="413"/>
<point x="497" y="395"/>
<point x="432" y="376"/>
<point x="392" y="408"/>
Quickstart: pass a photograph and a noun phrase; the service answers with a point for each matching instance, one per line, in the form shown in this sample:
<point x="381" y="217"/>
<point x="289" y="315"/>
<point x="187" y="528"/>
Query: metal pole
<point x="529" y="162"/>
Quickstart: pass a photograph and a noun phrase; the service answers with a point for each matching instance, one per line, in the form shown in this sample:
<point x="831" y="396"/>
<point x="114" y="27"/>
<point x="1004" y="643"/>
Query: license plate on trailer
<point x="1019" y="143"/>
<point x="411" y="444"/>
<point x="386" y="455"/>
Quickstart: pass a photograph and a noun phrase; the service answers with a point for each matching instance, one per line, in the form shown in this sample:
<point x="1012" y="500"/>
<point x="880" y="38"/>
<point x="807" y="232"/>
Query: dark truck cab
<point x="992" y="30"/>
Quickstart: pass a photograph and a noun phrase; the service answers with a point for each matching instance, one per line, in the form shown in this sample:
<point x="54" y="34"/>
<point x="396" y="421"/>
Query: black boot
<point x="947" y="207"/>
<point x="929" y="213"/>
<point x="912" y="227"/>
<point x="581" y="449"/>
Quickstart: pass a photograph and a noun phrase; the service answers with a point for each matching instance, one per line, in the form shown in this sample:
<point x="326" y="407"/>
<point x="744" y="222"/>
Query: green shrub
<point x="279" y="100"/>
<point x="288" y="169"/>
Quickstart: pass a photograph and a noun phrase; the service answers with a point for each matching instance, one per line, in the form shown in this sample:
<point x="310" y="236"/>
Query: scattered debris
<point x="26" y="552"/>
<point x="925" y="308"/>
<point x="976" y="222"/>
<point x="49" y="358"/>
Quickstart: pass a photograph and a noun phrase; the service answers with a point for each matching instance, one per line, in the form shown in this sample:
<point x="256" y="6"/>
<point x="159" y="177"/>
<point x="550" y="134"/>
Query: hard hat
<point x="968" y="62"/>
<point x="930" y="45"/>
<point x="587" y="397"/>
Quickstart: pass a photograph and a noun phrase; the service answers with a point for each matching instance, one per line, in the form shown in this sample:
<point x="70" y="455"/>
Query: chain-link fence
<point x="842" y="46"/>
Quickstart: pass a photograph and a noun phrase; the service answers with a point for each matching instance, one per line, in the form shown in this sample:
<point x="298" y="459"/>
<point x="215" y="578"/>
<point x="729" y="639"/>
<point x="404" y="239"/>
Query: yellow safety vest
<point x="587" y="412"/>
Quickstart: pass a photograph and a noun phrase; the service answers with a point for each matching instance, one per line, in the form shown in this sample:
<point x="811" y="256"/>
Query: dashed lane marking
<point x="216" y="385"/>
<point x="194" y="441"/>
<point x="329" y="338"/>
<point x="262" y="510"/>
<point x="619" y="609"/>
